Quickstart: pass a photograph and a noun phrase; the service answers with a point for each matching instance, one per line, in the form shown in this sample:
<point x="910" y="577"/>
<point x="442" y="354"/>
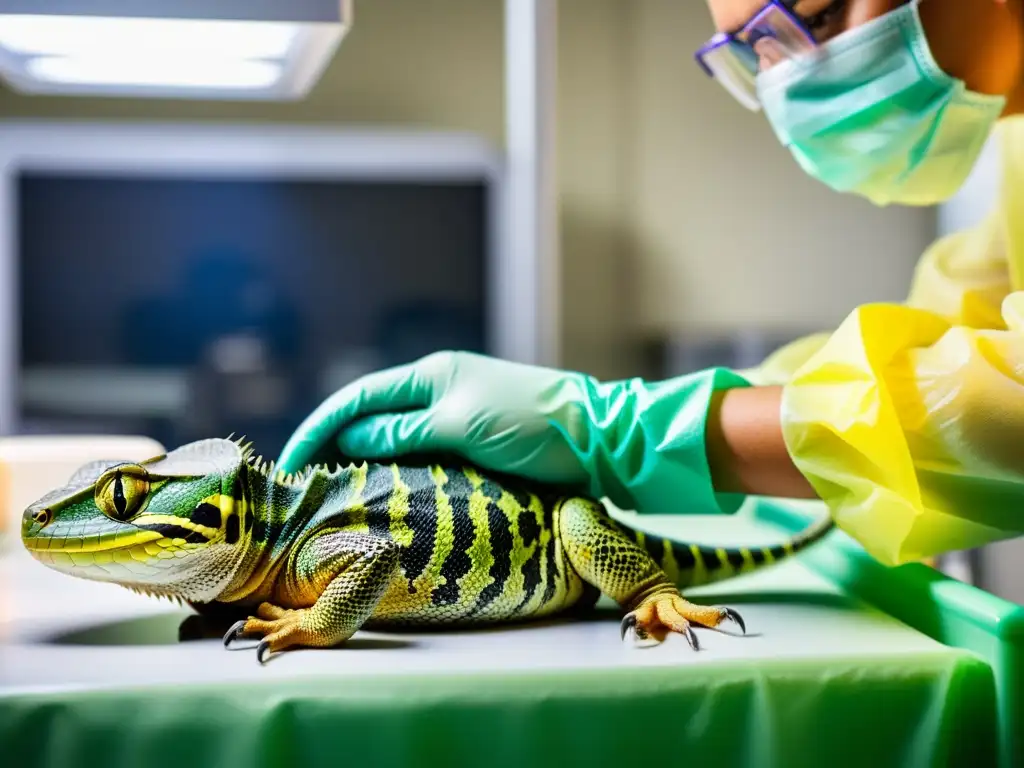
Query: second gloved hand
<point x="640" y="444"/>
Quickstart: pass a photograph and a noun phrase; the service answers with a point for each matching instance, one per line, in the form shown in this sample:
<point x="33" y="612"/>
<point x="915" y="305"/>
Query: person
<point x="906" y="420"/>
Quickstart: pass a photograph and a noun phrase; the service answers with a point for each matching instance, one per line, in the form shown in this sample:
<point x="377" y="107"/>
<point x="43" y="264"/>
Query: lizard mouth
<point x="94" y="543"/>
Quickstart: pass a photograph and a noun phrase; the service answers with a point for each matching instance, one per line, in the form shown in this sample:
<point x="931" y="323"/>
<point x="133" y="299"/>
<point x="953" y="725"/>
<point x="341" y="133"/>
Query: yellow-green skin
<point x="311" y="559"/>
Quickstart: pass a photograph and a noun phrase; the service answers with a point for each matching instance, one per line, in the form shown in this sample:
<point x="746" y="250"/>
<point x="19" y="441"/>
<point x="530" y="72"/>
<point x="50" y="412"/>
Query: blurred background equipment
<point x="187" y="283"/>
<point x="194" y="49"/>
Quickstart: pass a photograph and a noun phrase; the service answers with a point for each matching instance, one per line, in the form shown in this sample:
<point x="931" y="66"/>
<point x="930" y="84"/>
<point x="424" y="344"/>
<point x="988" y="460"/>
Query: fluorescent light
<point x="86" y="35"/>
<point x="221" y="49"/>
<point x="162" y="72"/>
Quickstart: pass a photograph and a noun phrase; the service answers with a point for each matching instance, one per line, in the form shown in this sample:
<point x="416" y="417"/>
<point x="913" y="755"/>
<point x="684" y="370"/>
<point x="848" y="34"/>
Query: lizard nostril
<point x="42" y="517"/>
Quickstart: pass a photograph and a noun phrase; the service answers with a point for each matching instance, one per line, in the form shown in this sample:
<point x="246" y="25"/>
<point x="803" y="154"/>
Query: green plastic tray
<point x="949" y="611"/>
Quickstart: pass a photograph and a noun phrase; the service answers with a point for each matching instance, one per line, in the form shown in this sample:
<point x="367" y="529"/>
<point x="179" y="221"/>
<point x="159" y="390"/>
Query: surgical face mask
<point x="871" y="113"/>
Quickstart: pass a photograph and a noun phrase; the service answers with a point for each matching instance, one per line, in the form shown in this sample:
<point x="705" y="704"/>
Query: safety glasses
<point x="775" y="34"/>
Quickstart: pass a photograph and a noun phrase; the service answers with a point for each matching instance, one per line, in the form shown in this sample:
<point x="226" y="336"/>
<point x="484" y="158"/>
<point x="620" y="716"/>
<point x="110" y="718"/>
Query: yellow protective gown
<point x="908" y="420"/>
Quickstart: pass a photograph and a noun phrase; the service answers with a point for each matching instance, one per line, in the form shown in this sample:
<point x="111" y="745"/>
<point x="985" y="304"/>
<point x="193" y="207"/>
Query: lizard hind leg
<point x="607" y="556"/>
<point x="344" y="575"/>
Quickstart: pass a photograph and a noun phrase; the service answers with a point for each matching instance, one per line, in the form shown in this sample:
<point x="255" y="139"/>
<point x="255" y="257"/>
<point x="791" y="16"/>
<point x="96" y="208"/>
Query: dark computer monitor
<point x="188" y="304"/>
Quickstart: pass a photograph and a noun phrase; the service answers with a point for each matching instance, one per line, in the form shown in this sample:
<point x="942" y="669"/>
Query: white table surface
<point x="62" y="633"/>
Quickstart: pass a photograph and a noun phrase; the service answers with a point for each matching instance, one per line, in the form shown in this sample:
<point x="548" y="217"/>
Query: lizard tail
<point x="693" y="565"/>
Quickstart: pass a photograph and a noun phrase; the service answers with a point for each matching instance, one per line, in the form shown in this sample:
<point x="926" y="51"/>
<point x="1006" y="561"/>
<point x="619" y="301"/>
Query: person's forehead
<point x="729" y="15"/>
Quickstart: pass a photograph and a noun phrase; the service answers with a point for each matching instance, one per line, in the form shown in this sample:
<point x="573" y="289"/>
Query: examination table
<point x="845" y="663"/>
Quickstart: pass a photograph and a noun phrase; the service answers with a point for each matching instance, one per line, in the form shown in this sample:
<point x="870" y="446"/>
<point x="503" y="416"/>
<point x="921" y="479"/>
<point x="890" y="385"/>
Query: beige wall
<point x="435" y="64"/>
<point x="722" y="211"/>
<point x="670" y="194"/>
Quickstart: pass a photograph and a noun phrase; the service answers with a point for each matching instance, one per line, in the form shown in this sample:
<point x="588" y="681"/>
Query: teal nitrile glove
<point x="639" y="444"/>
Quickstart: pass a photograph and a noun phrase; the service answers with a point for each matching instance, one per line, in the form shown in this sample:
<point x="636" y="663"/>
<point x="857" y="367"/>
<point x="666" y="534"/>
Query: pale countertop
<point x="59" y="633"/>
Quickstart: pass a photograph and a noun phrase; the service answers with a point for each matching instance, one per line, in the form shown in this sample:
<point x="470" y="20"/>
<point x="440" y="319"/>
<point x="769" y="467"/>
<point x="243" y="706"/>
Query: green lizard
<point x="308" y="560"/>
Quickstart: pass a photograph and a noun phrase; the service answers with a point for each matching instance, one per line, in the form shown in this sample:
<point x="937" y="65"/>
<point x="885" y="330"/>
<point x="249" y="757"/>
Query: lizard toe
<point x="270" y="612"/>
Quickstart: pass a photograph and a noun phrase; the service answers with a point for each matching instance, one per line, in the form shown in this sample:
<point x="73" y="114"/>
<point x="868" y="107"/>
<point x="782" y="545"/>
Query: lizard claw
<point x="628" y="623"/>
<point x="691" y="638"/>
<point x="261" y="650"/>
<point x="733" y="616"/>
<point x="236" y="631"/>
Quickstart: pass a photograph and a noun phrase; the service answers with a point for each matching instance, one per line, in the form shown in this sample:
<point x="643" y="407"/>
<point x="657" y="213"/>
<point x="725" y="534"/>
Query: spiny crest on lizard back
<point x="175" y="525"/>
<point x="269" y="470"/>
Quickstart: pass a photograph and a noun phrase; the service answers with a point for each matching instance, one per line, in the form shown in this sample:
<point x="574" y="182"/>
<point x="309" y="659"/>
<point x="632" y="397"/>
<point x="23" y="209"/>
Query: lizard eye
<point x="121" y="491"/>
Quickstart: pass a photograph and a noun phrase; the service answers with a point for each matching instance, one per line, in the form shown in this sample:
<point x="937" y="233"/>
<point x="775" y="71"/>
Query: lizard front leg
<point x="341" y="576"/>
<point x="607" y="558"/>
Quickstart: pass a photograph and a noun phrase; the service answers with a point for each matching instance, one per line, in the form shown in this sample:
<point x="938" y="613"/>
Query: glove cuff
<point x="645" y="449"/>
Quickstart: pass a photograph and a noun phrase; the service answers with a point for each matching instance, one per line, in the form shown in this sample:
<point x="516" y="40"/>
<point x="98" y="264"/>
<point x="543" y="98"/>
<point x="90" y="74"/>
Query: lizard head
<point x="173" y="525"/>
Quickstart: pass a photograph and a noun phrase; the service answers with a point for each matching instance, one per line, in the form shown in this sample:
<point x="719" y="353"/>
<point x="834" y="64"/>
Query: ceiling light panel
<point x="229" y="52"/>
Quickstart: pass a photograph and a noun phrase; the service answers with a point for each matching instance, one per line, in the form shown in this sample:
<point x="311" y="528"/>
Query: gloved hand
<point x="639" y="444"/>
